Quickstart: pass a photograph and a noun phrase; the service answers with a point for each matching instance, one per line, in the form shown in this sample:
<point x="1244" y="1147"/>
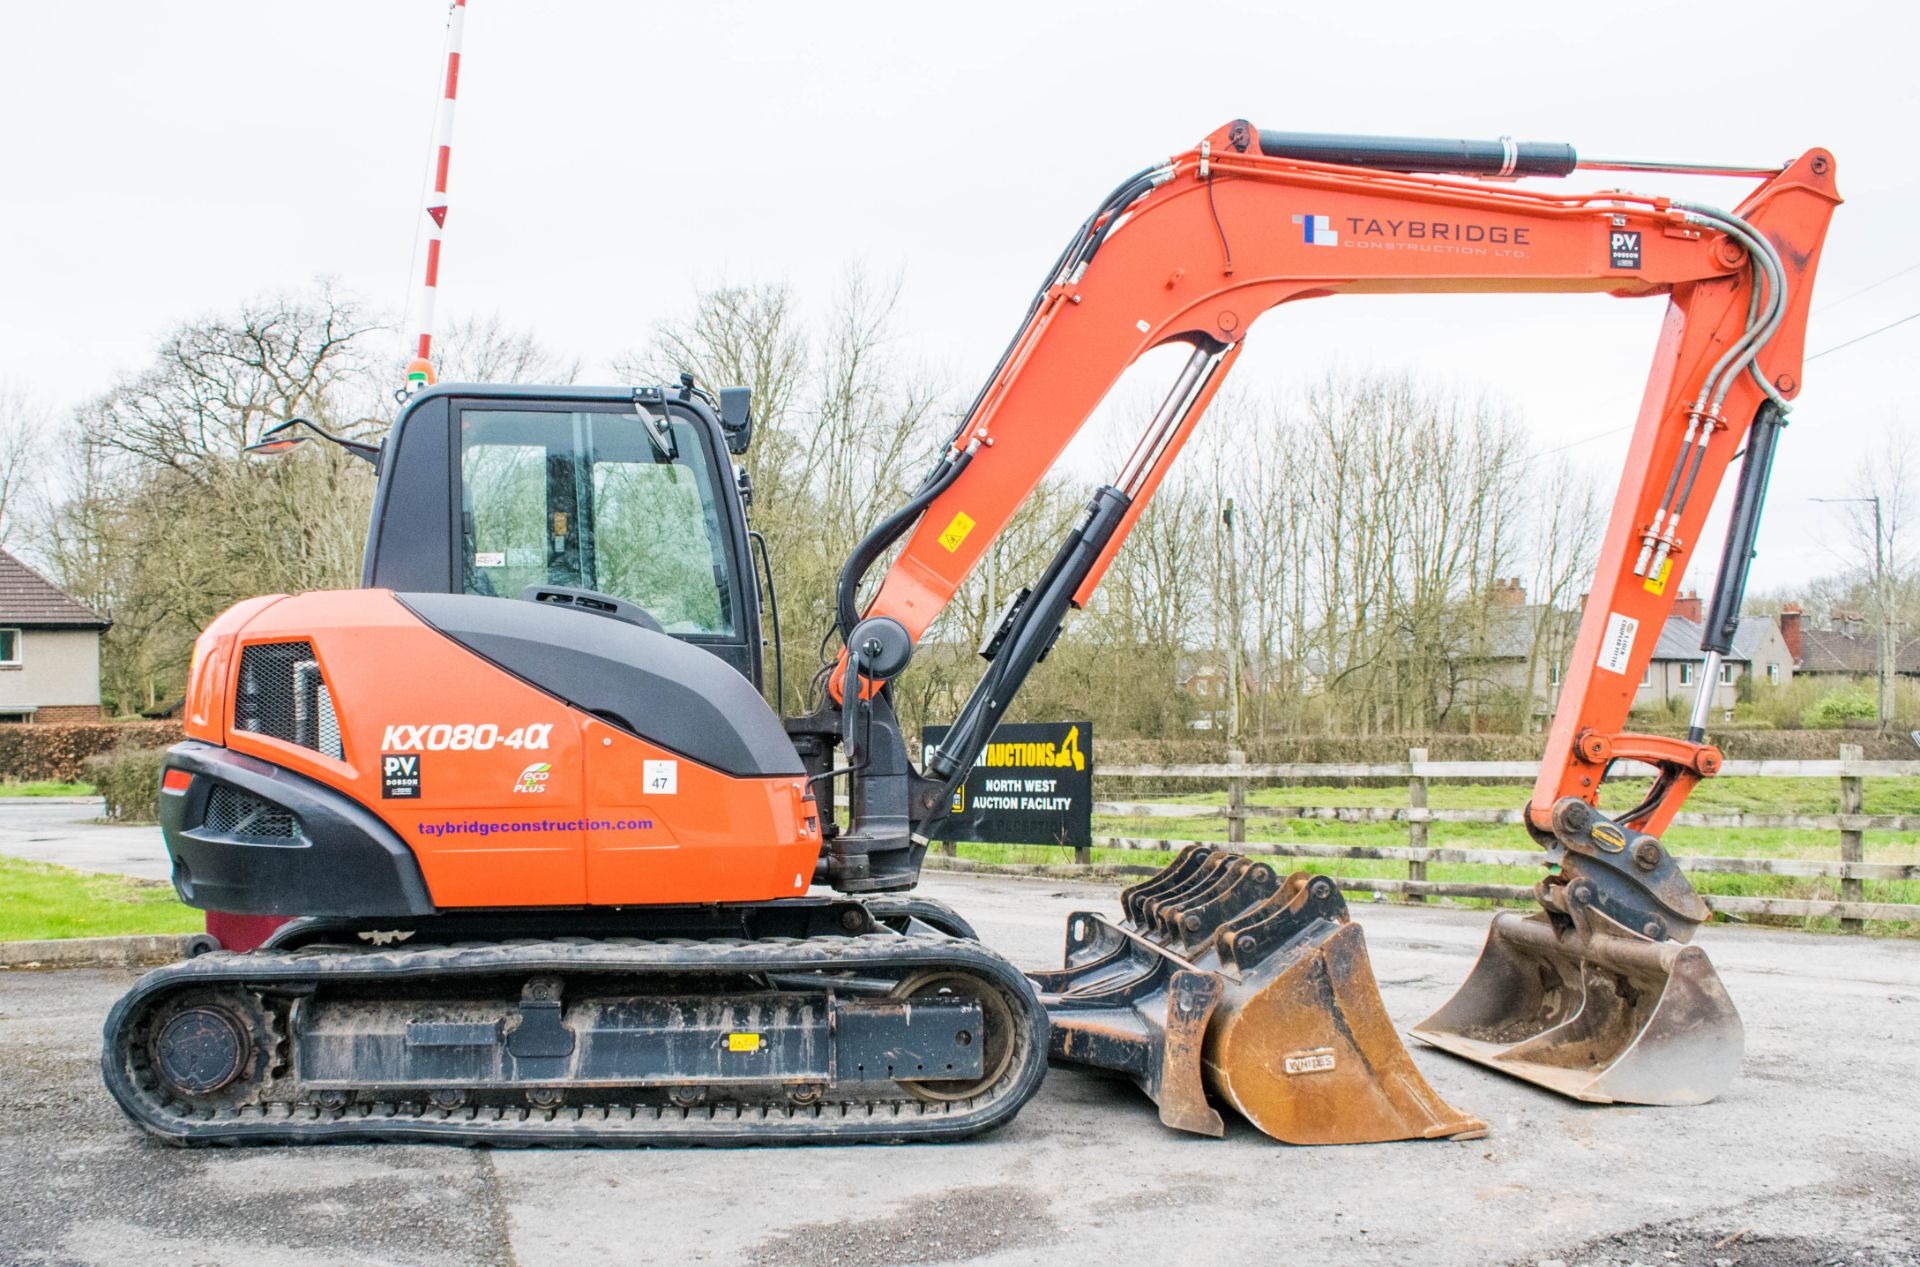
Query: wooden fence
<point x="1848" y="867"/>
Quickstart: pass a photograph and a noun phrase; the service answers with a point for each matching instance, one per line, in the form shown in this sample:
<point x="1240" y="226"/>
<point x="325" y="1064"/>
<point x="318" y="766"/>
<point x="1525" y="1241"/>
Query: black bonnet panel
<point x="667" y="692"/>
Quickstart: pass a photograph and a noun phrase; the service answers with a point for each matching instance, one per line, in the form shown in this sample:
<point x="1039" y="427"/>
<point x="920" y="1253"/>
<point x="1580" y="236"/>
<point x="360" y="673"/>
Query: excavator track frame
<point x="281" y="1105"/>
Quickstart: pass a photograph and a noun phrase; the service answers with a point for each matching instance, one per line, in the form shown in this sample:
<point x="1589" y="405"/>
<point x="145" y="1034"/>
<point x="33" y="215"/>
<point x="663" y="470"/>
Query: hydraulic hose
<point x="1080" y="249"/>
<point x="887" y="531"/>
<point x="1767" y="269"/>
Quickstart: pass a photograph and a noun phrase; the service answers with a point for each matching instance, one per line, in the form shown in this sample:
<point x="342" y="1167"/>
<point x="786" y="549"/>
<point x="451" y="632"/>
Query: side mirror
<point x="274" y="441"/>
<point x="736" y="417"/>
<point x="285" y="437"/>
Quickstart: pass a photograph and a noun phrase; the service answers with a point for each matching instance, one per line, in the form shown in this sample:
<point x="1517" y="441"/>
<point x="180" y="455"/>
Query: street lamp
<point x="1884" y="705"/>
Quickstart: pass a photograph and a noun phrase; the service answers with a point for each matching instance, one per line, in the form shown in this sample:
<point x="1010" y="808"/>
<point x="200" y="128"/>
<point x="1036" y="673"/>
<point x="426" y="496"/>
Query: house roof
<point x="1680" y="639"/>
<point x="1831" y="651"/>
<point x="1510" y="632"/>
<point x="30" y="599"/>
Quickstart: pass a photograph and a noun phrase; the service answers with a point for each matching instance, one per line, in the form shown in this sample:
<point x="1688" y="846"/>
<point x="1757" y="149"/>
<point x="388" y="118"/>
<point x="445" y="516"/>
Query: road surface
<point x="1812" y="1157"/>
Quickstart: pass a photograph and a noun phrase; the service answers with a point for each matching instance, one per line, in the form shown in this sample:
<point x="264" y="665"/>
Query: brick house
<point x="1760" y="651"/>
<point x="49" y="649"/>
<point x="1849" y="647"/>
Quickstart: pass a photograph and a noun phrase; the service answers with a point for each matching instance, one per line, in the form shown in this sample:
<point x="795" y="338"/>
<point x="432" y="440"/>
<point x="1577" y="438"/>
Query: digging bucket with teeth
<point x="1599" y="996"/>
<point x="1225" y="978"/>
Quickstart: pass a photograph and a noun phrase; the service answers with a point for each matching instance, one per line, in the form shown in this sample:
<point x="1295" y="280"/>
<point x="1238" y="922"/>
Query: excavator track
<point x="870" y="1038"/>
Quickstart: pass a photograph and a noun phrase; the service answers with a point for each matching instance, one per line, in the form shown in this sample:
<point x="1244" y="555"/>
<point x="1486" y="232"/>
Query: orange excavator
<point x="556" y="873"/>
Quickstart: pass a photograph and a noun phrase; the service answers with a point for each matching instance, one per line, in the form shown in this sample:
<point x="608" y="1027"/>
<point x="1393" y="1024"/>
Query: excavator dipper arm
<point x="1192" y="251"/>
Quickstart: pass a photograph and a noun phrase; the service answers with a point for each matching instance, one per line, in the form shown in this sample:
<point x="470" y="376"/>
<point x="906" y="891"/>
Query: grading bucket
<point x="1223" y="978"/>
<point x="1582" y="1005"/>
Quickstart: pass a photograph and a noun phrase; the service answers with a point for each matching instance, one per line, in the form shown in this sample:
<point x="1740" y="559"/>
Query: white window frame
<point x="1646" y="676"/>
<point x="1773" y="674"/>
<point x="17" y="640"/>
<point x="1686" y="673"/>
<point x="1726" y="674"/>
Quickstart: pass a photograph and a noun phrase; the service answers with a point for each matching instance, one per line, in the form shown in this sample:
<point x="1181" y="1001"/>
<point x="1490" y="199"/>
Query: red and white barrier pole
<point x="433" y="221"/>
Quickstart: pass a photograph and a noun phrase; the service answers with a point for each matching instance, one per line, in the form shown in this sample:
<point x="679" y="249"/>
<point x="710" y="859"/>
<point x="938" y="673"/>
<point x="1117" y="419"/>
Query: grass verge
<point x="47" y="787"/>
<point x="39" y="901"/>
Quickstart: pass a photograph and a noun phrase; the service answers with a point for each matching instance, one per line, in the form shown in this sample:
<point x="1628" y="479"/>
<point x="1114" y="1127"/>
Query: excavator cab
<point x="619" y="500"/>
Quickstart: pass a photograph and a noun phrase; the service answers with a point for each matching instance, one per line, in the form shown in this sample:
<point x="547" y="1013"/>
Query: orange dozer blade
<point x="1587" y="1007"/>
<point x="1224" y="978"/>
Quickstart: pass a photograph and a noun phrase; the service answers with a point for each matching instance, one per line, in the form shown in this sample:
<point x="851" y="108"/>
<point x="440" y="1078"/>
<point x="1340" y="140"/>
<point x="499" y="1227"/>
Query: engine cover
<point x="526" y="755"/>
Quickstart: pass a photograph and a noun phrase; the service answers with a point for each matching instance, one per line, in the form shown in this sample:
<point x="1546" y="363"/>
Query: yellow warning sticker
<point x="1658" y="584"/>
<point x="743" y="1042"/>
<point x="957" y="531"/>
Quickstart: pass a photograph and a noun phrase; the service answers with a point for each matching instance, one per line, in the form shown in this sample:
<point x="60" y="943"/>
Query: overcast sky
<point x="163" y="161"/>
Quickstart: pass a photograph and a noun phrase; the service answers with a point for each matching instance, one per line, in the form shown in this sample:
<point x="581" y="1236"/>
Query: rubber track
<point x="893" y="1120"/>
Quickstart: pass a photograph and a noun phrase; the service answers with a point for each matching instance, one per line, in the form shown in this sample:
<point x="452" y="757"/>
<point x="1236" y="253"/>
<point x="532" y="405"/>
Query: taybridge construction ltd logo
<point x="1444" y="237"/>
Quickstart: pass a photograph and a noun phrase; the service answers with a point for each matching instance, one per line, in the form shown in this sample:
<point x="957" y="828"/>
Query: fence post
<point x="1416" y="826"/>
<point x="949" y="849"/>
<point x="1852" y="801"/>
<point x="1236" y="800"/>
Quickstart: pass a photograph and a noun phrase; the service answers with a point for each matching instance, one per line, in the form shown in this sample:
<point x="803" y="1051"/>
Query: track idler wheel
<point x="211" y="1049"/>
<point x="996" y="1021"/>
<point x="1226" y="979"/>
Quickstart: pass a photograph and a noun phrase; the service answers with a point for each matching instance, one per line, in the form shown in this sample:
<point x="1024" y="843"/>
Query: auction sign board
<point x="1032" y="784"/>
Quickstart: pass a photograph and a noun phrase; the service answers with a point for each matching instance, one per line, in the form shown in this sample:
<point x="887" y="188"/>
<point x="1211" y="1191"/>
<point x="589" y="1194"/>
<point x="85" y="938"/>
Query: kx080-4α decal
<point x="466" y="737"/>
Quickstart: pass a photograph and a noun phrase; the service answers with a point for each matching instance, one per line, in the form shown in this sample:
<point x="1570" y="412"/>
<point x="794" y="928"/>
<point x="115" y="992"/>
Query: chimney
<point x="1790" y="630"/>
<point x="1688" y="605"/>
<point x="1507" y="592"/>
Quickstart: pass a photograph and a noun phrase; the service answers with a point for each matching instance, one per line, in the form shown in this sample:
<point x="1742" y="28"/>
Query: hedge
<point x="129" y="782"/>
<point x="33" y="752"/>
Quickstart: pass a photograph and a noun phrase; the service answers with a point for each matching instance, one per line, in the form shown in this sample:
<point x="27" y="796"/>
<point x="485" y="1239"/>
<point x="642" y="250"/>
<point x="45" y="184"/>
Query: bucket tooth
<point x="1232" y="890"/>
<point x="1226" y="978"/>
<point x="1593" y="1010"/>
<point x="1174" y="873"/>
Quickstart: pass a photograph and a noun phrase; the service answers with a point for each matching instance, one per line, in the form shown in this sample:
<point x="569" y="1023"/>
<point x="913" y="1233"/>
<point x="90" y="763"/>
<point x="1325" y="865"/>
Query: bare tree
<point x="23" y="428"/>
<point x="843" y="428"/>
<point x="740" y="336"/>
<point x="1565" y="523"/>
<point x="484" y="349"/>
<point x="166" y="522"/>
<point x="1880" y="513"/>
<point x="217" y="383"/>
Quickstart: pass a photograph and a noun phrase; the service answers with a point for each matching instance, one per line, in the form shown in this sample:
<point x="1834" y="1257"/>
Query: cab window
<point x="593" y="499"/>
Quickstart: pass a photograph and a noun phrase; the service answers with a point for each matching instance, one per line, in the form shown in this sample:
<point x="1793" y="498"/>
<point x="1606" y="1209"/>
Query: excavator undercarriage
<point x="815" y="1023"/>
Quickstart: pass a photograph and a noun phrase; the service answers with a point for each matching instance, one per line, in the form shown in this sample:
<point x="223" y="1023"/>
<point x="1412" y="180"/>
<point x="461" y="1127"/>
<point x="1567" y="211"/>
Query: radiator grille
<point x="231" y="812"/>
<point x="282" y="694"/>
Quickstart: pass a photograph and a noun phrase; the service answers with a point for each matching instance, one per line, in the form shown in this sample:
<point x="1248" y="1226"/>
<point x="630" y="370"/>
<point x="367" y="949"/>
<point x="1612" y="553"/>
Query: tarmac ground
<point x="1813" y="1156"/>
